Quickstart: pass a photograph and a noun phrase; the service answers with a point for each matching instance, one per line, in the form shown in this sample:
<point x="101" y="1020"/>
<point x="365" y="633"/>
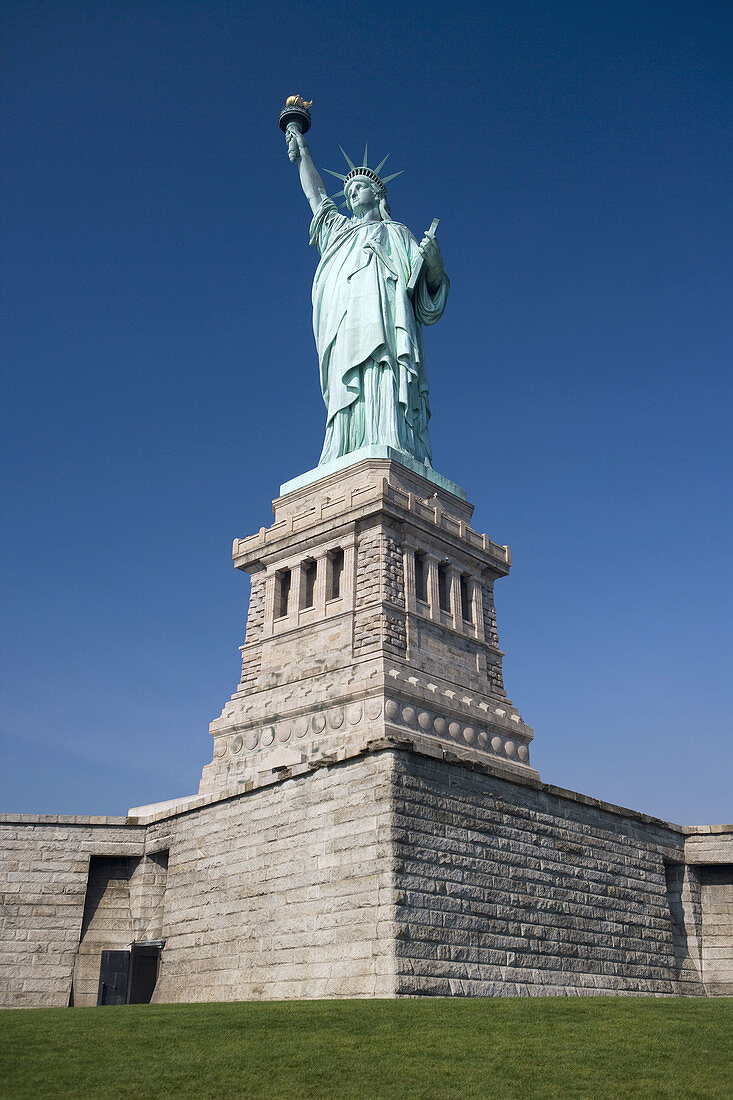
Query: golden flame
<point x="298" y="101"/>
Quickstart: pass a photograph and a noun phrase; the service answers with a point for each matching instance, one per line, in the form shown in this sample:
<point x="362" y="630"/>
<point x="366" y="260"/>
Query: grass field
<point x="374" y="1050"/>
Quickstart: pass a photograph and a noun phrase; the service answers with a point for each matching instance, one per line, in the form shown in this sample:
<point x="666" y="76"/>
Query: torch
<point x="295" y="114"/>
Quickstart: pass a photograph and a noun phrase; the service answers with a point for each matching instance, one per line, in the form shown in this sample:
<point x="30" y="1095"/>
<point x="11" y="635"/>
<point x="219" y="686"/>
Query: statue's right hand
<point x="295" y="142"/>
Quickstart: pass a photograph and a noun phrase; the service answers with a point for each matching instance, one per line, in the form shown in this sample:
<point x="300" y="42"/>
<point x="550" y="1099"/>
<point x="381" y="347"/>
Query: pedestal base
<point x="384" y="453"/>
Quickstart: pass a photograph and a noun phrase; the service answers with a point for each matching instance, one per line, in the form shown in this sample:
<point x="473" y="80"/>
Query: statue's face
<point x="361" y="196"/>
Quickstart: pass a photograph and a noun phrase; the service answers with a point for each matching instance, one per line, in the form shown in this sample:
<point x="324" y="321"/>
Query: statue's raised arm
<point x="374" y="289"/>
<point x="310" y="180"/>
<point x="295" y="120"/>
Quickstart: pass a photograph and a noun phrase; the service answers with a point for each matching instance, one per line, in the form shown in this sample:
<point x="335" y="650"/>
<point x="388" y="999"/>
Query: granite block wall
<point x="283" y="892"/>
<point x="390" y="873"/>
<point x="509" y="888"/>
<point x="716" y="895"/>
<point x="44" y="873"/>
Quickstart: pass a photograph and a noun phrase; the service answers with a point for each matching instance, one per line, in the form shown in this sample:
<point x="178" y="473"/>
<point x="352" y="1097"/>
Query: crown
<point x="364" y="172"/>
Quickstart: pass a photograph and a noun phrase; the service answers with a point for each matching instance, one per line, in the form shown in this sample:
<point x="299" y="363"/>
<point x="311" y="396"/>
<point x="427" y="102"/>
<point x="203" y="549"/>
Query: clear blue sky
<point x="162" y="379"/>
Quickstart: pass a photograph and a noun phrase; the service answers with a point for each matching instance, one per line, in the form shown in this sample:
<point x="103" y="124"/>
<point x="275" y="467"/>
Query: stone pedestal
<point x="370" y="824"/>
<point x="371" y="615"/>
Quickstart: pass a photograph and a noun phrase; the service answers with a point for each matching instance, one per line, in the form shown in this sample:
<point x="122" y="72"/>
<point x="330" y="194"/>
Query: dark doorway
<point x="129" y="977"/>
<point x="144" y="961"/>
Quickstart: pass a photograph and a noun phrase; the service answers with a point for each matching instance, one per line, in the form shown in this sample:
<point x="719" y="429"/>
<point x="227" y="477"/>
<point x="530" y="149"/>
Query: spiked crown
<point x="363" y="172"/>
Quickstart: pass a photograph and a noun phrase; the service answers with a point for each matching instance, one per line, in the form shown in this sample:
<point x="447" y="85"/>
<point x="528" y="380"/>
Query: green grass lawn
<point x="553" y="1047"/>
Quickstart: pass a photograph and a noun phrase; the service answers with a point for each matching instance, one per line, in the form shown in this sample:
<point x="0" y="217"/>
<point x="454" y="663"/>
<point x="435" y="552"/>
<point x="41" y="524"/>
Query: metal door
<point x="113" y="976"/>
<point x="143" y="972"/>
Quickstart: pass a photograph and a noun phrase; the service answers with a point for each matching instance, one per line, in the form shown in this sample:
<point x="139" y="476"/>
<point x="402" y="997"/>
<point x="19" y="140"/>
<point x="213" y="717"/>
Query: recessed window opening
<point x="283" y="592"/>
<point x="337" y="568"/>
<point x="421" y="577"/>
<point x="443" y="588"/>
<point x="466" y="610"/>
<point x="309" y="583"/>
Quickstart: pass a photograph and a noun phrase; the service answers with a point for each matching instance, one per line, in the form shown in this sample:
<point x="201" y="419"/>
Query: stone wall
<point x="494" y="667"/>
<point x="716" y="894"/>
<point x="518" y="888"/>
<point x="709" y="854"/>
<point x="44" y="871"/>
<point x="379" y="621"/>
<point x="283" y="892"/>
<point x="369" y="593"/>
<point x="394" y="872"/>
<point x="251" y="650"/>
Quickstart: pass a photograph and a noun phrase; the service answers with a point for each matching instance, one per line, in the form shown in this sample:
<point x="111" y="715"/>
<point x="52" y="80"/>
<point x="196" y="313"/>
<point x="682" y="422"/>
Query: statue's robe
<point x="368" y="334"/>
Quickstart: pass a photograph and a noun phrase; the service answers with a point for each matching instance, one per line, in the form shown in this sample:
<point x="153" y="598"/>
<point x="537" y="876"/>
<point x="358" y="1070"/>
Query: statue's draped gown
<point x="368" y="334"/>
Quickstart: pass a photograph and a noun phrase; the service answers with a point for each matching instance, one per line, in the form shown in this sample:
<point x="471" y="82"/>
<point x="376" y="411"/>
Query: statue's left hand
<point x="433" y="259"/>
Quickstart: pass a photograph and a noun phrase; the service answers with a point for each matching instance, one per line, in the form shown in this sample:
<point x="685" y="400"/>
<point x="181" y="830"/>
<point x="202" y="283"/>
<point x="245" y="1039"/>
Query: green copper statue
<point x="374" y="288"/>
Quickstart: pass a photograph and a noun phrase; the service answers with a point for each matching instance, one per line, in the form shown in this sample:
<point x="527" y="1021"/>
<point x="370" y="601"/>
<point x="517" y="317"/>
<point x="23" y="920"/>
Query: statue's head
<point x="364" y="191"/>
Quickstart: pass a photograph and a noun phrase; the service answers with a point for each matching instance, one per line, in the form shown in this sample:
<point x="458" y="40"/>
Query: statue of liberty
<point x="374" y="289"/>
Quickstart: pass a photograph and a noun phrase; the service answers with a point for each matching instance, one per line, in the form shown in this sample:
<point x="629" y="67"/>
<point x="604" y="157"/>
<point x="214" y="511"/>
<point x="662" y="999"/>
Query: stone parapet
<point x="372" y="483"/>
